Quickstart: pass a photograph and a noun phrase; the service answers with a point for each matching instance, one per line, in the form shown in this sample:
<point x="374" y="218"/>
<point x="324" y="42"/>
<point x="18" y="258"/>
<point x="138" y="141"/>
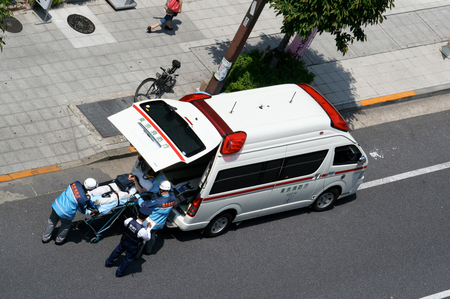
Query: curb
<point x="417" y="94"/>
<point x="103" y="156"/>
<point x="131" y="151"/>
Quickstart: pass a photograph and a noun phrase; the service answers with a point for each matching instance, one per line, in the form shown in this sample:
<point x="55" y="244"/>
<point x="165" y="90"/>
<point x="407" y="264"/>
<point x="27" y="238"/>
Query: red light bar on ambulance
<point x="336" y="119"/>
<point x="194" y="97"/>
<point x="233" y="142"/>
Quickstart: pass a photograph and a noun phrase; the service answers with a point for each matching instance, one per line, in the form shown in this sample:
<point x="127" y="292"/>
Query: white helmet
<point x="165" y="186"/>
<point x="90" y="184"/>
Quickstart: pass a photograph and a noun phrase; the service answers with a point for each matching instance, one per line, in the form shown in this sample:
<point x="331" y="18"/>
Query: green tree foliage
<point x="344" y="19"/>
<point x="249" y="72"/>
<point x="4" y="12"/>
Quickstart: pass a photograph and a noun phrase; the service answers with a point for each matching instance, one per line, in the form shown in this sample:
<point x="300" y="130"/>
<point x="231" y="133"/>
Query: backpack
<point x="123" y="182"/>
<point x="173" y="5"/>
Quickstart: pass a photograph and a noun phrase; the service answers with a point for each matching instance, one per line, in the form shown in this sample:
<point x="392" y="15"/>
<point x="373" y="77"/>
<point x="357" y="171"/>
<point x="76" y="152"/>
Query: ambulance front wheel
<point x="218" y="225"/>
<point x="325" y="200"/>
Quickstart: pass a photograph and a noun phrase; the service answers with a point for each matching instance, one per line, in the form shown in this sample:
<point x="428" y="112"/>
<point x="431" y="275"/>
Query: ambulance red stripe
<point x="276" y="185"/>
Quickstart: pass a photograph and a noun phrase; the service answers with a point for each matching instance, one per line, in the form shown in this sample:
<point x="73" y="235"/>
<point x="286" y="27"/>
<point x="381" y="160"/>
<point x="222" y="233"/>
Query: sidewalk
<point x="48" y="70"/>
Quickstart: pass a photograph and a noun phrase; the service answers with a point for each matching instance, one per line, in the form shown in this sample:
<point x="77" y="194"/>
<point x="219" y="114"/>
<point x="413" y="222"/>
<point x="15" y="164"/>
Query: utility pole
<point x="218" y="79"/>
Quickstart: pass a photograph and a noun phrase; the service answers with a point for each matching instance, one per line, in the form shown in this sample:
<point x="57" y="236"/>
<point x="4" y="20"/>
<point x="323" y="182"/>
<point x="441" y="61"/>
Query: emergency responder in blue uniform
<point x="65" y="207"/>
<point x="160" y="209"/>
<point x="134" y="233"/>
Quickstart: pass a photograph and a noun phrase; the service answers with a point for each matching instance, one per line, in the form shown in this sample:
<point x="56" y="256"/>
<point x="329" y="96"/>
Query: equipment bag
<point x="173" y="5"/>
<point x="123" y="182"/>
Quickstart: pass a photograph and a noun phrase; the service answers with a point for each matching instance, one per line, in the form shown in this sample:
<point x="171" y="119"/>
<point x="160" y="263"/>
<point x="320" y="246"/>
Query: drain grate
<point x="97" y="113"/>
<point x="81" y="24"/>
<point x="12" y="25"/>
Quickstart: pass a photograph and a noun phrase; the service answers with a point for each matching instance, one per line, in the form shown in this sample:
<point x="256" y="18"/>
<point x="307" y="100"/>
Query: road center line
<point x="440" y="295"/>
<point x="404" y="175"/>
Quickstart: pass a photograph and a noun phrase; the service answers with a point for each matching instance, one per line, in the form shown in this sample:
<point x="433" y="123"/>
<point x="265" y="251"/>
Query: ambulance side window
<point x="246" y="176"/>
<point x="348" y="154"/>
<point x="302" y="164"/>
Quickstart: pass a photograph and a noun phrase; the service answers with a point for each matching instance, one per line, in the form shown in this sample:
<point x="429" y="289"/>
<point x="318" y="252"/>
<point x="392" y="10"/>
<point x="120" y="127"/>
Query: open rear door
<point x="166" y="132"/>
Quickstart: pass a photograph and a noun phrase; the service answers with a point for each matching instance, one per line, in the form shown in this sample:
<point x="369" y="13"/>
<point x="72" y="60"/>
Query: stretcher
<point x="114" y="210"/>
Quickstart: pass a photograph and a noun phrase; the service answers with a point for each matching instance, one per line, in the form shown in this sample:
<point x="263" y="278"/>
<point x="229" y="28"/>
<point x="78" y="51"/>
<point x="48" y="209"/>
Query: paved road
<point x="389" y="241"/>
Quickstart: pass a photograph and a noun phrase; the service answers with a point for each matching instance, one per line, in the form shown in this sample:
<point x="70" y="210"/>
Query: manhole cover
<point x="81" y="24"/>
<point x="12" y="25"/>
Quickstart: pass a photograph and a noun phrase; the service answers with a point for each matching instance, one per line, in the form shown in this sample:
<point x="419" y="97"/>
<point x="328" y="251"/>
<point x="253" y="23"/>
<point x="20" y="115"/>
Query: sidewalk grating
<point x="97" y="113"/>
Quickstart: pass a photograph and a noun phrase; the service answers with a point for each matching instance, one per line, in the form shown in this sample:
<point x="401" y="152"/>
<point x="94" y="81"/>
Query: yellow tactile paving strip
<point x="387" y="98"/>
<point x="40" y="170"/>
<point x="26" y="173"/>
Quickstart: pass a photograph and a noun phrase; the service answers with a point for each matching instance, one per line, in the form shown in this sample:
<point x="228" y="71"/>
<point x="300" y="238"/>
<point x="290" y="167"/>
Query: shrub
<point x="249" y="72"/>
<point x="57" y="2"/>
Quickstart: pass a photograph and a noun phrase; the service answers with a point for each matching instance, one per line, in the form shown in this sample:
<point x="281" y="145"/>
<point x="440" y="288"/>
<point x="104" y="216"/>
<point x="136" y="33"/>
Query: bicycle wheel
<point x="146" y="90"/>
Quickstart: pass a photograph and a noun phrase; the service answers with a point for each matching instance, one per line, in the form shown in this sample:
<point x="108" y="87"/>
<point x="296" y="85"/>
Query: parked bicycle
<point x="152" y="88"/>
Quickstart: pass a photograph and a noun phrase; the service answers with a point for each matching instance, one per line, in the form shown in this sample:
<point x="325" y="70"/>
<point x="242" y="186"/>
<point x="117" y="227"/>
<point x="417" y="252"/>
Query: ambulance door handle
<point x="149" y="134"/>
<point x="343" y="177"/>
<point x="317" y="176"/>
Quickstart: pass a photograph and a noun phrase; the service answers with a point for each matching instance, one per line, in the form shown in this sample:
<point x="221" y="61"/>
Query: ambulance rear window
<point x="174" y="126"/>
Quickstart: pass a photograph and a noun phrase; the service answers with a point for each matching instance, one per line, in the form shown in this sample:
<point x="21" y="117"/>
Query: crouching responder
<point x="64" y="208"/>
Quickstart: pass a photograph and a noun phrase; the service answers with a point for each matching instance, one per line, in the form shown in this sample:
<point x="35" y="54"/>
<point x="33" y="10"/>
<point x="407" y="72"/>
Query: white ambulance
<point x="241" y="155"/>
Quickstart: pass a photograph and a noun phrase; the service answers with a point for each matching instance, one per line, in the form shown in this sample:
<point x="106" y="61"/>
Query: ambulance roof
<point x="269" y="113"/>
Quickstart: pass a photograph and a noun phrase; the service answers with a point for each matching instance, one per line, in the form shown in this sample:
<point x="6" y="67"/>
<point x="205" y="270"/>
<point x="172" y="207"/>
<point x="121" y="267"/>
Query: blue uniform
<point x="161" y="208"/>
<point x="64" y="208"/>
<point x="71" y="200"/>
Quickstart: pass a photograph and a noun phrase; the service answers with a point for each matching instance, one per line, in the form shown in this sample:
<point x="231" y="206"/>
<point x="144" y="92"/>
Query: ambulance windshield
<point x="174" y="126"/>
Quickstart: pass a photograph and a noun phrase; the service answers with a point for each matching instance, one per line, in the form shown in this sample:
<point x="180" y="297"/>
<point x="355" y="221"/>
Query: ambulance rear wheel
<point x="325" y="200"/>
<point x="218" y="225"/>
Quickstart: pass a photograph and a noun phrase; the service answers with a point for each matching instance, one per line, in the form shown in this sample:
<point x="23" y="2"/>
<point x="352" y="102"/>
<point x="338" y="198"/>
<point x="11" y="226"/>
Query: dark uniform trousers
<point x="129" y="243"/>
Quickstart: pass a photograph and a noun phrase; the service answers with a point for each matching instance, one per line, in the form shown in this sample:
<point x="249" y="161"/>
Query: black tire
<point x="94" y="240"/>
<point x="218" y="225"/>
<point x="146" y="90"/>
<point x="326" y="200"/>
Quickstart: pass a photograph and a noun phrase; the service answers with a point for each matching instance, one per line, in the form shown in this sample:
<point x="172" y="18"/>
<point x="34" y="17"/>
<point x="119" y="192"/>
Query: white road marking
<point x="404" y="175"/>
<point x="440" y="295"/>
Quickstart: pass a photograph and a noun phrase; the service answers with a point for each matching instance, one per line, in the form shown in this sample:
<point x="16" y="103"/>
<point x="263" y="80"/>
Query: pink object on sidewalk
<point x="299" y="46"/>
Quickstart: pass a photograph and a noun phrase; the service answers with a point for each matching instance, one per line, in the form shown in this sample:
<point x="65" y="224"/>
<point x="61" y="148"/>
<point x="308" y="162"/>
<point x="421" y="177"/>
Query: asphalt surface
<point x="389" y="241"/>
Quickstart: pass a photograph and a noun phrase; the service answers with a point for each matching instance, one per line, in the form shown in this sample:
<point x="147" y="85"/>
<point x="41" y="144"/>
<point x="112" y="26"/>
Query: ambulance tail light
<point x="194" y="97"/>
<point x="336" y="119"/>
<point x="233" y="142"/>
<point x="193" y="208"/>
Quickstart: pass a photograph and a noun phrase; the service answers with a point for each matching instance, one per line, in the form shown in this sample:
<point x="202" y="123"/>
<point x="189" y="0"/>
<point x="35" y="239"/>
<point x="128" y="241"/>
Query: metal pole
<point x="236" y="46"/>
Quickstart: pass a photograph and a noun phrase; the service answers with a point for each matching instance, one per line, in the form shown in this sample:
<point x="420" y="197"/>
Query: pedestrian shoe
<point x="118" y="275"/>
<point x="168" y="28"/>
<point x="59" y="243"/>
<point x="45" y="242"/>
<point x="149" y="29"/>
